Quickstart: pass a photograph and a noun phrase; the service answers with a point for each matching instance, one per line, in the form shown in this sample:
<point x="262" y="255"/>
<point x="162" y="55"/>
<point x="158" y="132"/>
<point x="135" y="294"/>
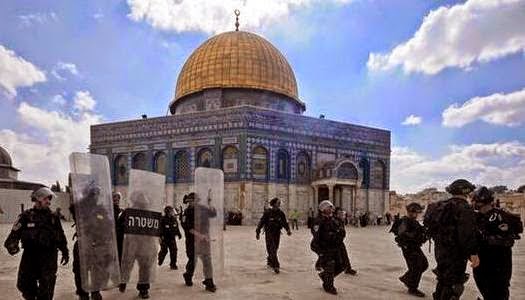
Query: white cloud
<point x="37" y="18"/>
<point x="214" y="16"/>
<point x="42" y="153"/>
<point x="83" y="101"/>
<point x="498" y="109"/>
<point x="16" y="72"/>
<point x="61" y="68"/>
<point x="486" y="164"/>
<point x="98" y="16"/>
<point x="459" y="36"/>
<point x="59" y="100"/>
<point x="412" y="120"/>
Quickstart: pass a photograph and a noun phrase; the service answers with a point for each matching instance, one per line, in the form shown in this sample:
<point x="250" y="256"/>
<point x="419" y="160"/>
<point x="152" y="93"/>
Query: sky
<point x="447" y="78"/>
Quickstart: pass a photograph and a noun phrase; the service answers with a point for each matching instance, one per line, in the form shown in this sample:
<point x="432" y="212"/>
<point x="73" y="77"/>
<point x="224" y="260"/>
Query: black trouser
<point x="96" y="270"/>
<point x="272" y="245"/>
<point x="37" y="274"/>
<point x="295" y="224"/>
<point x="416" y="263"/>
<point x="76" y="271"/>
<point x="332" y="265"/>
<point x="345" y="258"/>
<point x="205" y="258"/>
<point x="493" y="274"/>
<point x="450" y="270"/>
<point x="171" y="246"/>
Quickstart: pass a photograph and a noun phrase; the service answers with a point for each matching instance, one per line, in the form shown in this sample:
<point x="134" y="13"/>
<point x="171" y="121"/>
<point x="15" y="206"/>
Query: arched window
<point x="205" y="158"/>
<point x="303" y="167"/>
<point x="121" y="169"/>
<point x="182" y="166"/>
<point x="159" y="163"/>
<point x="364" y="164"/>
<point x="347" y="171"/>
<point x="378" y="175"/>
<point x="283" y="164"/>
<point x="139" y="161"/>
<point x="260" y="163"/>
<point x="230" y="158"/>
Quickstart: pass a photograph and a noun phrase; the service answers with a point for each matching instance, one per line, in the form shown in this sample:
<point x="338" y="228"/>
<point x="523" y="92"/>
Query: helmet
<point x="460" y="187"/>
<point x="188" y="198"/>
<point x="325" y="204"/>
<point x="168" y="209"/>
<point x="415" y="207"/>
<point x="483" y="195"/>
<point x="42" y="192"/>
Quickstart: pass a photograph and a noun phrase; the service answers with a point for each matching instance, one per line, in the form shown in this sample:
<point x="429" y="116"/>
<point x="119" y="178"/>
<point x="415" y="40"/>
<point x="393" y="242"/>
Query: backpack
<point x="439" y="219"/>
<point x="395" y="227"/>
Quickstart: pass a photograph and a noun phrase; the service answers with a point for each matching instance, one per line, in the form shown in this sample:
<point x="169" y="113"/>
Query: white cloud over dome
<point x="17" y="72"/>
<point x="486" y="164"/>
<point x="412" y="120"/>
<point x="214" y="16"/>
<point x="498" y="109"/>
<point x="459" y="36"/>
<point x="42" y="151"/>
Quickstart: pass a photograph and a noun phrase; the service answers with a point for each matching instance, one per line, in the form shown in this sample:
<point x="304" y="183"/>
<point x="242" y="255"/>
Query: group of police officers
<point x="478" y="232"/>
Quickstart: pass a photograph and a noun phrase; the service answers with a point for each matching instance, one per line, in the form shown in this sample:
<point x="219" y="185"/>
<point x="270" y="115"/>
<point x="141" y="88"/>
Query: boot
<point x="416" y="293"/>
<point x="174" y="267"/>
<point x="276" y="270"/>
<point x="96" y="296"/>
<point x="83" y="297"/>
<point x="122" y="287"/>
<point x="144" y="294"/>
<point x="330" y="289"/>
<point x="187" y="279"/>
<point x="350" y="271"/>
<point x="210" y="286"/>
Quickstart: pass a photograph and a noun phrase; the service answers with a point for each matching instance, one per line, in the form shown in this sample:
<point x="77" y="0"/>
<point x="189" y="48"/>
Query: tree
<point x="521" y="189"/>
<point x="499" y="189"/>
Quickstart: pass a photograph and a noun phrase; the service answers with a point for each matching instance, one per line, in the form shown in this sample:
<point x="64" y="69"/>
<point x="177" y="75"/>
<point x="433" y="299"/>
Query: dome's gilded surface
<point x="236" y="59"/>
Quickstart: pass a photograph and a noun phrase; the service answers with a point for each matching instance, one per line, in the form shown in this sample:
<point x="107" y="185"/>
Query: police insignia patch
<point x="316" y="228"/>
<point x="17" y="226"/>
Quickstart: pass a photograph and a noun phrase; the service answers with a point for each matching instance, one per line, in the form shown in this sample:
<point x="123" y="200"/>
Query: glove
<point x="14" y="249"/>
<point x="257" y="235"/>
<point x="65" y="259"/>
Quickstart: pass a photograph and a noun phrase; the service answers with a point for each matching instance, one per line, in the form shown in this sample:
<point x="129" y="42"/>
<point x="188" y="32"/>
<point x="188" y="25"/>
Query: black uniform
<point x="272" y="220"/>
<point x="327" y="242"/>
<point x="188" y="224"/>
<point x="169" y="230"/>
<point x="410" y="236"/>
<point x="455" y="241"/>
<point x="493" y="274"/>
<point x="41" y="234"/>
<point x="119" y="229"/>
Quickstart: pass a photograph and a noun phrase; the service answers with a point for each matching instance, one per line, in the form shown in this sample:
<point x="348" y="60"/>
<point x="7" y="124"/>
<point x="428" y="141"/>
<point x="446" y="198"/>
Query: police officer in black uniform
<point x="273" y="220"/>
<point x="169" y="229"/>
<point x="190" y="231"/>
<point x="497" y="231"/>
<point x="452" y="225"/>
<point x="410" y="236"/>
<point x="328" y="235"/>
<point x="41" y="234"/>
<point x="119" y="230"/>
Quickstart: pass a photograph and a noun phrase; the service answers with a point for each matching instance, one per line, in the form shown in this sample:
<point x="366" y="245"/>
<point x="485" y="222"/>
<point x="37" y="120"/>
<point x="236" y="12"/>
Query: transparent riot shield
<point x="209" y="218"/>
<point x="94" y="220"/>
<point x="141" y="222"/>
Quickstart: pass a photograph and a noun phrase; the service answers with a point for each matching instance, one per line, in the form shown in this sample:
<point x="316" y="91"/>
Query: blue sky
<point x="456" y="67"/>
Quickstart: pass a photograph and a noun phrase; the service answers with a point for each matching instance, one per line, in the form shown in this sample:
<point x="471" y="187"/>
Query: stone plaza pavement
<point x="372" y="251"/>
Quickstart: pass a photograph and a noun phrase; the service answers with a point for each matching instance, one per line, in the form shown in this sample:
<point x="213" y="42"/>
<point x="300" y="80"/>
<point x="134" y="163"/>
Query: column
<point x="331" y="193"/>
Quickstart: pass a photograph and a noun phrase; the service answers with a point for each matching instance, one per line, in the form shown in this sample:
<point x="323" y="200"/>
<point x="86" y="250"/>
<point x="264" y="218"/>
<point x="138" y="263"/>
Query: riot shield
<point x="209" y="218"/>
<point x="95" y="223"/>
<point x="141" y="222"/>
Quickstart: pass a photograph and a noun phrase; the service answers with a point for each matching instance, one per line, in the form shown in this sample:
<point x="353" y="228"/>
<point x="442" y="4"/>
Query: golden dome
<point x="237" y="59"/>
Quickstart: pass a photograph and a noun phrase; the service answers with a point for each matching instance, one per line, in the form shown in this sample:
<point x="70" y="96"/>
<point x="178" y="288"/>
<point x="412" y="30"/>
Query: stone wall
<point x="11" y="201"/>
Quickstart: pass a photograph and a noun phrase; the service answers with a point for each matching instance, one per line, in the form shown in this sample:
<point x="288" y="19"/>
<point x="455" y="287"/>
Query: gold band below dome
<point x="237" y="59"/>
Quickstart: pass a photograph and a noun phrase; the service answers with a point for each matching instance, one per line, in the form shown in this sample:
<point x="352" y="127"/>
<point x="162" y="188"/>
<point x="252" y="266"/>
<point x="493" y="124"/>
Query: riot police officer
<point x="410" y="235"/>
<point x="273" y="220"/>
<point x="452" y="225"/>
<point x="41" y="234"/>
<point x="497" y="230"/>
<point x="169" y="229"/>
<point x="327" y="242"/>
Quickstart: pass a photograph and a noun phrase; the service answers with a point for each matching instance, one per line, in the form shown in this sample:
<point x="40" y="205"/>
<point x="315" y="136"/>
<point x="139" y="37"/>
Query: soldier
<point x="340" y="214"/>
<point x="410" y="235"/>
<point x="201" y="233"/>
<point x="273" y="220"/>
<point x="327" y="242"/>
<point x="497" y="231"/>
<point x="169" y="229"/>
<point x="452" y="225"/>
<point x="41" y="234"/>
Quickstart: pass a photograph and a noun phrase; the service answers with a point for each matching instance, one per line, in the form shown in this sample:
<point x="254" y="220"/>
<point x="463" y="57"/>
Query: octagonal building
<point x="236" y="107"/>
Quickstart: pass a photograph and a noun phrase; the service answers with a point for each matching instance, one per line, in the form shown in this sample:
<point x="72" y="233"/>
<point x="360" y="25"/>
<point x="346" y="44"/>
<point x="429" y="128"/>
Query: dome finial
<point x="237" y="13"/>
